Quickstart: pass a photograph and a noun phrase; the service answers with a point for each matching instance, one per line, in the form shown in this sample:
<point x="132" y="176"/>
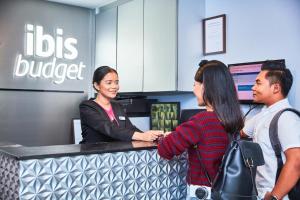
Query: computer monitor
<point x="244" y="76"/>
<point x="186" y="114"/>
<point x="164" y="116"/>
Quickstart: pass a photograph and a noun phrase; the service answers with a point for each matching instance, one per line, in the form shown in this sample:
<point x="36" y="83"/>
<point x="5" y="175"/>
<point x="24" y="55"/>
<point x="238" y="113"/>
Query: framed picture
<point x="214" y="35"/>
<point x="164" y="116"/>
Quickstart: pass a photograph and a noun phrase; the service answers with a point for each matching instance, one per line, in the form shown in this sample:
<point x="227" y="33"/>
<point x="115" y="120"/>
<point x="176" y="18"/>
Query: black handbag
<point x="235" y="179"/>
<point x="294" y="194"/>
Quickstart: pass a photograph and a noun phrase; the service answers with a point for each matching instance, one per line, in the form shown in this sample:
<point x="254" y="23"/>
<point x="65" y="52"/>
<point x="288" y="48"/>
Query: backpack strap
<point x="231" y="137"/>
<point x="202" y="165"/>
<point x="252" y="155"/>
<point x="273" y="134"/>
<point x="253" y="180"/>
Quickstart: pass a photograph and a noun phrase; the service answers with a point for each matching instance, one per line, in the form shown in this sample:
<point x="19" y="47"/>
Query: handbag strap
<point x="202" y="165"/>
<point x="273" y="134"/>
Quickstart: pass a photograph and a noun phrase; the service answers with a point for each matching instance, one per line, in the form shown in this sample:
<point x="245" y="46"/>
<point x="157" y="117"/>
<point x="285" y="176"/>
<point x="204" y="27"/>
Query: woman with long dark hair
<point x="103" y="119"/>
<point x="208" y="132"/>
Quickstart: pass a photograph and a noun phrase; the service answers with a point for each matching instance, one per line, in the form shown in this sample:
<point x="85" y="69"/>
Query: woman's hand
<point x="149" y="136"/>
<point x="167" y="133"/>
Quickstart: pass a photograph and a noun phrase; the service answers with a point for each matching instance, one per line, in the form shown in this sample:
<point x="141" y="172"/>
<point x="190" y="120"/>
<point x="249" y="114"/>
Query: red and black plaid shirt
<point x="205" y="130"/>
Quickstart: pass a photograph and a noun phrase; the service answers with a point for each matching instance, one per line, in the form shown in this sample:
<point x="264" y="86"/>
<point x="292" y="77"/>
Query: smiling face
<point x="263" y="91"/>
<point x="108" y="86"/>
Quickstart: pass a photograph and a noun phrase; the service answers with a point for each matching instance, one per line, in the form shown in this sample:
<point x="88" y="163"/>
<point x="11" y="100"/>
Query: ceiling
<point x="85" y="3"/>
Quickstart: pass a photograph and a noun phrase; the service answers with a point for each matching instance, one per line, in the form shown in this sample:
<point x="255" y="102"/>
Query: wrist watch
<point x="273" y="197"/>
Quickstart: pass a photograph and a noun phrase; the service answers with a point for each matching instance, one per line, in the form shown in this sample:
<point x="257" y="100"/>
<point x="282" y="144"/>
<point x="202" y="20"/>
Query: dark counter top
<point x="9" y="144"/>
<point x="26" y="153"/>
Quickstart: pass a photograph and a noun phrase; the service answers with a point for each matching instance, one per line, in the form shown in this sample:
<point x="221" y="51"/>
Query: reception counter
<point x="119" y="170"/>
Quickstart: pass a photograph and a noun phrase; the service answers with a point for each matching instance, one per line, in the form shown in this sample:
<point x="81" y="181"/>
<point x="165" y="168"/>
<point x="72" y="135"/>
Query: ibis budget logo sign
<point x="49" y="57"/>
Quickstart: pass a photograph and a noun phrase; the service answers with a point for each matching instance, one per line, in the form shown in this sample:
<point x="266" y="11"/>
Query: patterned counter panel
<point x="9" y="178"/>
<point x="122" y="175"/>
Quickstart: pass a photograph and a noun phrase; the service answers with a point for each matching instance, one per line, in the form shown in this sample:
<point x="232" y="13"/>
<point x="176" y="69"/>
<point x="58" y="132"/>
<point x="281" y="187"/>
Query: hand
<point x="148" y="136"/>
<point x="137" y="144"/>
<point x="154" y="135"/>
<point x="268" y="196"/>
<point x="167" y="133"/>
<point x="157" y="133"/>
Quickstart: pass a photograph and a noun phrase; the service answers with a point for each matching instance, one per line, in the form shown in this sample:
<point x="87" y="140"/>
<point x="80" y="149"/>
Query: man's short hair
<point x="278" y="73"/>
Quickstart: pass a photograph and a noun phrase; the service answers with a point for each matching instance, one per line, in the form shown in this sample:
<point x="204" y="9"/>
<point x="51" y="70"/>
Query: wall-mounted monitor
<point x="164" y="116"/>
<point x="244" y="76"/>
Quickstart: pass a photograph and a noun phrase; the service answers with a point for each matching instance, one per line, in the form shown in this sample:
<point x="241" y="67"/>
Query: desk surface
<point x="26" y="153"/>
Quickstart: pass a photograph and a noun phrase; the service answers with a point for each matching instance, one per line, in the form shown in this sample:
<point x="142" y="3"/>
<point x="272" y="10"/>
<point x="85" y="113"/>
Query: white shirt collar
<point x="277" y="106"/>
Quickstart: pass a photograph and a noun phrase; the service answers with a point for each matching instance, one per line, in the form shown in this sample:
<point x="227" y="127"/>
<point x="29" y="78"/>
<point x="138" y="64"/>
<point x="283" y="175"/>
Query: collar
<point x="284" y="103"/>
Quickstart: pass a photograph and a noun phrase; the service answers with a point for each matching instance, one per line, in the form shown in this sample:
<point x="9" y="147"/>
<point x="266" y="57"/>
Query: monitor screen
<point x="186" y="114"/>
<point x="244" y="76"/>
<point x="164" y="116"/>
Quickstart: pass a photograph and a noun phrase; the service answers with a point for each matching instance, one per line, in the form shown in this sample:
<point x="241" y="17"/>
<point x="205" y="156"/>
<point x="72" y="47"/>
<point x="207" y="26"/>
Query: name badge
<point x="121" y="118"/>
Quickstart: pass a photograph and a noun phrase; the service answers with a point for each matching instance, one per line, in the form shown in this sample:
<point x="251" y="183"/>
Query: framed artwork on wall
<point x="164" y="116"/>
<point x="214" y="35"/>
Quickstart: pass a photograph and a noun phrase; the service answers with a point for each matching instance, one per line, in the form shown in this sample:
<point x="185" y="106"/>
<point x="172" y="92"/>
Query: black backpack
<point x="294" y="194"/>
<point x="236" y="177"/>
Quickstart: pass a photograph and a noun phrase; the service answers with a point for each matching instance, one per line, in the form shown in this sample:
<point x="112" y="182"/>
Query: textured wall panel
<point x="9" y="178"/>
<point x="122" y="175"/>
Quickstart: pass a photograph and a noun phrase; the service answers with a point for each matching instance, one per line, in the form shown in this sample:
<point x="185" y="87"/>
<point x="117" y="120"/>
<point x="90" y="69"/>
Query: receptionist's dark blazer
<point x="97" y="127"/>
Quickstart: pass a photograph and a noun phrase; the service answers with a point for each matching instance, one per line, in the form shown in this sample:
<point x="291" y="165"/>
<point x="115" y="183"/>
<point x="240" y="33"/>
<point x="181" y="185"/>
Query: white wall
<point x="259" y="30"/>
<point x="190" y="15"/>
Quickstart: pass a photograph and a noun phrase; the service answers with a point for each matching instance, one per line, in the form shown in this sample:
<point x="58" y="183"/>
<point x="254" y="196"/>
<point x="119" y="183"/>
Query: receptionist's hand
<point x="137" y="144"/>
<point x="157" y="133"/>
<point x="154" y="135"/>
<point x="147" y="136"/>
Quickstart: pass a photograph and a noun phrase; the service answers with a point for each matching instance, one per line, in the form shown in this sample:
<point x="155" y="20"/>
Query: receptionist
<point x="103" y="119"/>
